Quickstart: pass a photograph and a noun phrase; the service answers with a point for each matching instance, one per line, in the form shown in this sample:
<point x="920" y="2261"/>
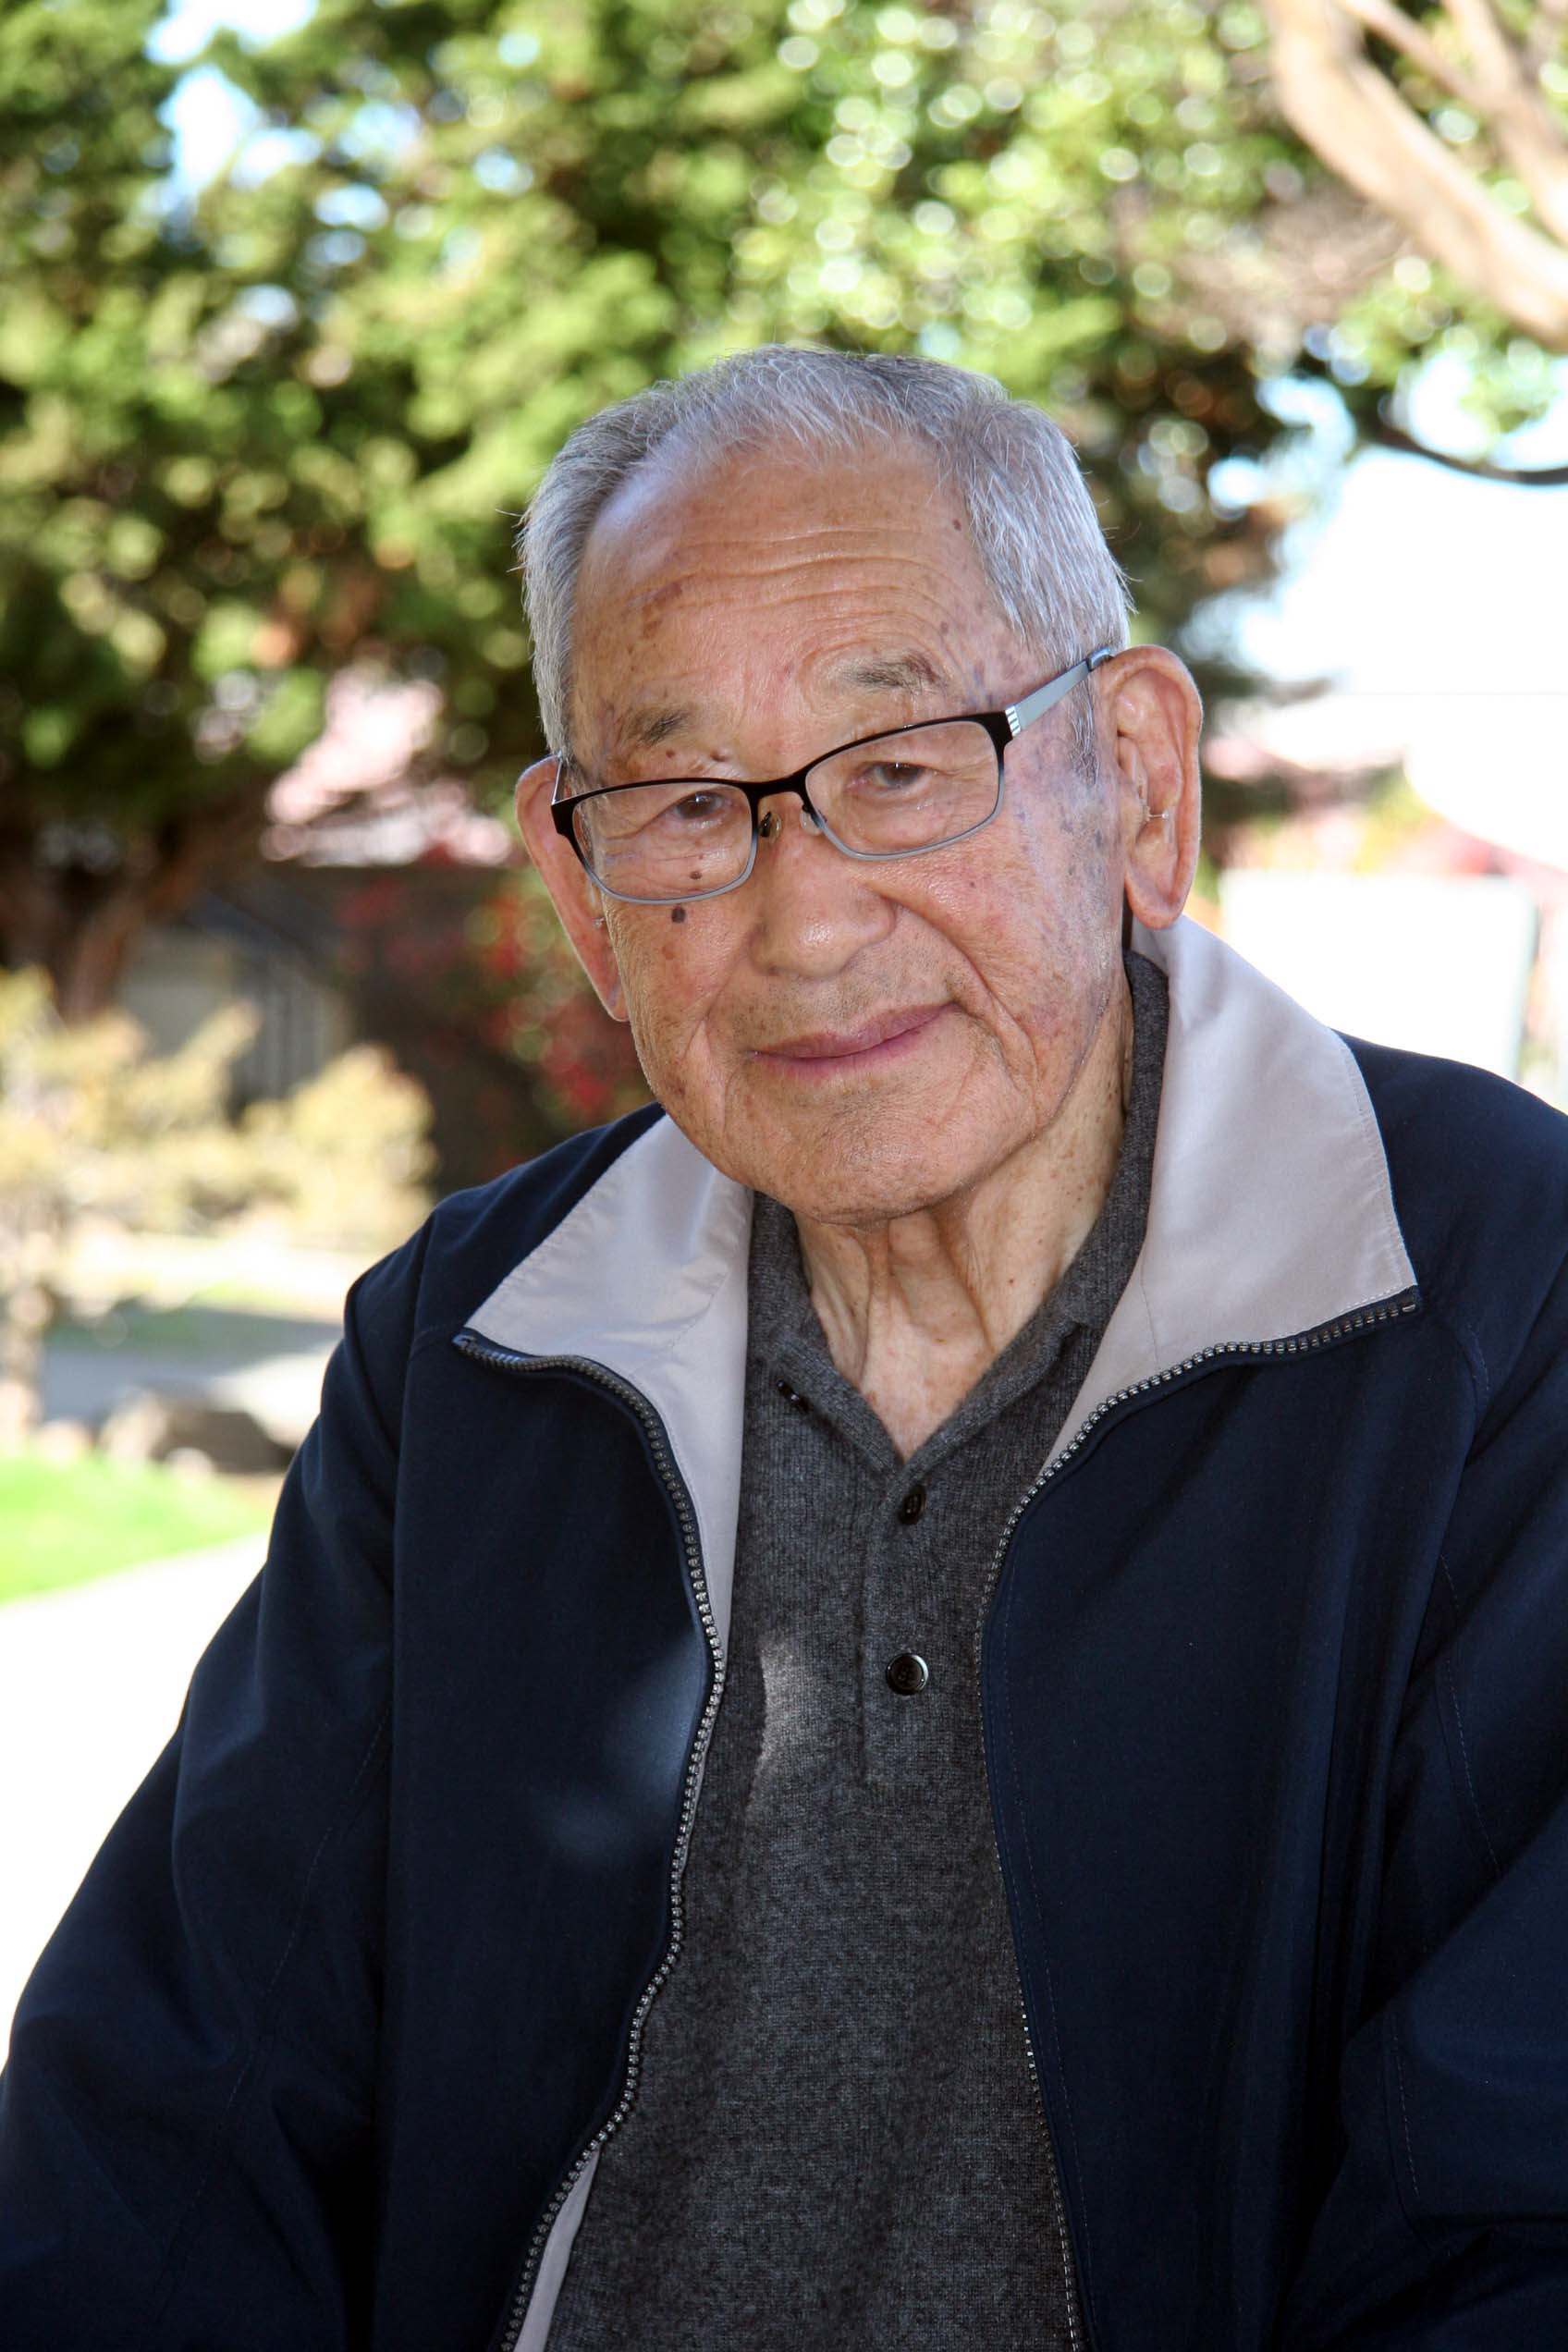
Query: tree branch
<point x="1513" y="109"/>
<point x="1546" y="32"/>
<point x="1333" y="95"/>
<point x="1403" y="33"/>
<point x="1381" y="430"/>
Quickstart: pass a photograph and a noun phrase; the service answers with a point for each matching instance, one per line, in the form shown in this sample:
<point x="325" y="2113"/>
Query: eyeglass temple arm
<point x="1023" y="713"/>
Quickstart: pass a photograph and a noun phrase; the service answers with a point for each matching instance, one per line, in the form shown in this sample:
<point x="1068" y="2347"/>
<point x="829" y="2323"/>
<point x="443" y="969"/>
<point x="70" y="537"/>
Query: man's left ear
<point x="574" y="894"/>
<point x="1151" y="718"/>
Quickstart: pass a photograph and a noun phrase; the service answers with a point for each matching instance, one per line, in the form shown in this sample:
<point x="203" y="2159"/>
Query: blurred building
<point x="1410" y="880"/>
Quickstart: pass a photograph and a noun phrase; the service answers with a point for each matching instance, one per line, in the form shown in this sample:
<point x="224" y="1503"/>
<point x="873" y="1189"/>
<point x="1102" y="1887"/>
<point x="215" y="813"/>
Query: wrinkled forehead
<point x="769" y="571"/>
<point x="757" y="514"/>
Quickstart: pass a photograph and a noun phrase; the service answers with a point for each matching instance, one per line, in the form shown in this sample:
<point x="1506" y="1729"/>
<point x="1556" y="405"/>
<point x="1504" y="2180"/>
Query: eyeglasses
<point x="884" y="796"/>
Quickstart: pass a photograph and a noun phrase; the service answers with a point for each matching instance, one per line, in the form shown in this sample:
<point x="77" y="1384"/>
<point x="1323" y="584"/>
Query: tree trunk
<point x="81" y="922"/>
<point x="93" y="953"/>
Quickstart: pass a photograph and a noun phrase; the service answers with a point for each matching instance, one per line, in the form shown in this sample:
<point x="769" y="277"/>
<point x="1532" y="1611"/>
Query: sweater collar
<point x="1270" y="1214"/>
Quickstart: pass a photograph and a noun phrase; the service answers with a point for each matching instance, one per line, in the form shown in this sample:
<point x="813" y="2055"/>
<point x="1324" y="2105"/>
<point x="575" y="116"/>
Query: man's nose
<point x="815" y="908"/>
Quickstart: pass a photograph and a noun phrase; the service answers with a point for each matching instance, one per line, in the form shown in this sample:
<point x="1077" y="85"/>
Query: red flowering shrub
<point x="537" y="1004"/>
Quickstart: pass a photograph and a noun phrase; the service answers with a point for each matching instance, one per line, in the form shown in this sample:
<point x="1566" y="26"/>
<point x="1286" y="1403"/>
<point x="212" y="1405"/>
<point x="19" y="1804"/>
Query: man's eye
<point x="892" y="775"/>
<point x="697" y="808"/>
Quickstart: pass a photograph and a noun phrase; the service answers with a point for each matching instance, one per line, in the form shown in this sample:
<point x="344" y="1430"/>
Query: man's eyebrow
<point x="906" y="673"/>
<point x="645" y="729"/>
<point x="890" y="674"/>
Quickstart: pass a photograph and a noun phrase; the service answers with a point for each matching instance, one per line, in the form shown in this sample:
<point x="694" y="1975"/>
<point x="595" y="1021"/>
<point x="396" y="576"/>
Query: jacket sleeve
<point x="1446" y="2227"/>
<point x="185" y="2119"/>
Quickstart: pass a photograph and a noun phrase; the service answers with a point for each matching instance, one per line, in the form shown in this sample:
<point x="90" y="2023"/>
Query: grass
<point x="62" y="1522"/>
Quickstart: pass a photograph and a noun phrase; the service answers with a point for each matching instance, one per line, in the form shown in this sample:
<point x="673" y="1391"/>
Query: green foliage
<point x="345" y="1155"/>
<point x="246" y="440"/>
<point x="93" y="1123"/>
<point x="242" y="441"/>
<point x="88" y="1124"/>
<point x="94" y="1127"/>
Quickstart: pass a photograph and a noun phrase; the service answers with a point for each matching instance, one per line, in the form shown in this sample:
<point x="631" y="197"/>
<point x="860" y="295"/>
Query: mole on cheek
<point x="677" y="915"/>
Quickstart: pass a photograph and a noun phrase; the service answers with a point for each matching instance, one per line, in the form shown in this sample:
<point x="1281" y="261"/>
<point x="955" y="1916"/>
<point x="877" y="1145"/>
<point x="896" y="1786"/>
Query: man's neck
<point x="915" y="1309"/>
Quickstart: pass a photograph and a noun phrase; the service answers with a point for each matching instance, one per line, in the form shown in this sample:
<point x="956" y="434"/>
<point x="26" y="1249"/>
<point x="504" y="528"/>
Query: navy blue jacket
<point x="1275" y="1699"/>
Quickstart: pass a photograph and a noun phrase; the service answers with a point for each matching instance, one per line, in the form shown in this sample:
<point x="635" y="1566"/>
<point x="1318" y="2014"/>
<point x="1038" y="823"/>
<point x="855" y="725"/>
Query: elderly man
<point x="920" y="1697"/>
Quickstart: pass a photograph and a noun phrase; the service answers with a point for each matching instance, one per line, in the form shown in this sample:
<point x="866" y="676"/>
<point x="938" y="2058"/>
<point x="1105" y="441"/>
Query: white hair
<point x="1030" y="515"/>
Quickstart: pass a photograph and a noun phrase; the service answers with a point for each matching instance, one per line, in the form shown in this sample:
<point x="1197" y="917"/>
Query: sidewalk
<point x="92" y="1682"/>
<point x="269" y="1364"/>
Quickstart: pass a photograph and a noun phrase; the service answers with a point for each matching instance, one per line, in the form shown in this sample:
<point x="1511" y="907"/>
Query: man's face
<point x="859" y="1040"/>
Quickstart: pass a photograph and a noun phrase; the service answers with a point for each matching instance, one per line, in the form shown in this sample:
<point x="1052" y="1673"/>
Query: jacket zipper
<point x="675" y="1487"/>
<point x="508" y="1360"/>
<point x="1301" y="1344"/>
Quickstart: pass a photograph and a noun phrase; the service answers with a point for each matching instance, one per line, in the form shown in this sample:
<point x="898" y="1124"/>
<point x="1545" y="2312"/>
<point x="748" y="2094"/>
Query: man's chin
<point x="838" y="1186"/>
<point x="845" y="1162"/>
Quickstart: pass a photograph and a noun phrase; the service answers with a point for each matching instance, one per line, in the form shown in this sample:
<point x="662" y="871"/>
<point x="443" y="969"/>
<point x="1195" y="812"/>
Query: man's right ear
<point x="574" y="894"/>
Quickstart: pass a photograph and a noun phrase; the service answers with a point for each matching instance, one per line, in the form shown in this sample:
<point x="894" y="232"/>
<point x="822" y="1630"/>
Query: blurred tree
<point x="1453" y="121"/>
<point x="94" y="1128"/>
<point x="247" y="438"/>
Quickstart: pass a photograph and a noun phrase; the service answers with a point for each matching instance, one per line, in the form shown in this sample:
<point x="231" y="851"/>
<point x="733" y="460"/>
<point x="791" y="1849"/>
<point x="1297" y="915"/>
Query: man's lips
<point x="876" y="1036"/>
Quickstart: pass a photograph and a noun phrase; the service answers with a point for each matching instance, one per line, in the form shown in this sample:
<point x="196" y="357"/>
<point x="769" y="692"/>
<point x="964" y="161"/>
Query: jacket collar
<point x="1270" y="1214"/>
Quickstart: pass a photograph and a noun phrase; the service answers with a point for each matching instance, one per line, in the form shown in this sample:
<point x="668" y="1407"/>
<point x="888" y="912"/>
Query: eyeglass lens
<point x="911" y="789"/>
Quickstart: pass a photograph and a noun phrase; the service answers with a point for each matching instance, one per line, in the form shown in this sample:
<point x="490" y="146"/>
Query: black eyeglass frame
<point x="1003" y="727"/>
